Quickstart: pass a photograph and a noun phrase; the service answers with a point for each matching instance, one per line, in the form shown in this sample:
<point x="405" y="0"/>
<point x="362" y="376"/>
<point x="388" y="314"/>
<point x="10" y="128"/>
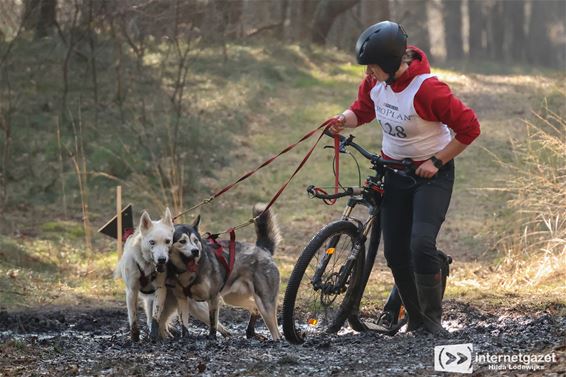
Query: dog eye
<point x="182" y="242"/>
<point x="152" y="242"/>
<point x="167" y="242"/>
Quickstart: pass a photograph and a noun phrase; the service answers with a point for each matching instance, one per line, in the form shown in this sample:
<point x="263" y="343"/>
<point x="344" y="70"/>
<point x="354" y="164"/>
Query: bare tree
<point x="40" y="16"/>
<point x="478" y="28"/>
<point x="374" y="11"/>
<point x="6" y="111"/>
<point x="325" y="14"/>
<point x="231" y="25"/>
<point x="79" y="159"/>
<point x="412" y="15"/>
<point x="281" y="16"/>
<point x="514" y="12"/>
<point x="262" y="17"/>
<point x="545" y="46"/>
<point x="496" y="30"/>
<point x="452" y="12"/>
<point x="301" y="15"/>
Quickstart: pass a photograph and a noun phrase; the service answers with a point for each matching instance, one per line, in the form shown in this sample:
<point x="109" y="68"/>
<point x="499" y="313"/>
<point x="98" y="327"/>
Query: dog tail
<point x="266" y="228"/>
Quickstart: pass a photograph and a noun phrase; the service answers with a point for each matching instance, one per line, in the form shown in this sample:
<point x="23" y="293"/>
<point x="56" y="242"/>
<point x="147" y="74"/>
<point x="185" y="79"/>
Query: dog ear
<point x="196" y="222"/>
<point x="167" y="218"/>
<point x="145" y="222"/>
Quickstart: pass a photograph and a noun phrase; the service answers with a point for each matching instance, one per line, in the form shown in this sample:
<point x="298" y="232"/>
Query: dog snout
<point x="195" y="252"/>
<point x="161" y="260"/>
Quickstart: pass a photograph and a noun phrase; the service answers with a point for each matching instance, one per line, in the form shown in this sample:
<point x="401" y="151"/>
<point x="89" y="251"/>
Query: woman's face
<point x="376" y="72"/>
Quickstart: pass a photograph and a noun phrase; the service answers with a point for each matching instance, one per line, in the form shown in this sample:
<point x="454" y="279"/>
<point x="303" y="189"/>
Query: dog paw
<point x="135" y="333"/>
<point x="154" y="331"/>
<point x="165" y="335"/>
<point x="225" y="334"/>
<point x="259" y="337"/>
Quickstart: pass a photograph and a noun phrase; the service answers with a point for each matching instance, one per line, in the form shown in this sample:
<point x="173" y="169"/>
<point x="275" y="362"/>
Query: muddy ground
<point x="59" y="342"/>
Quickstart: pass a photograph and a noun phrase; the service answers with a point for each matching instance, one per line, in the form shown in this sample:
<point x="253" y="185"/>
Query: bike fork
<point x="356" y="297"/>
<point x="351" y="304"/>
<point x="316" y="279"/>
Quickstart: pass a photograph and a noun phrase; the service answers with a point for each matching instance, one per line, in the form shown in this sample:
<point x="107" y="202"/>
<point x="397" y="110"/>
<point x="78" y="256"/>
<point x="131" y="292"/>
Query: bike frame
<point x="370" y="197"/>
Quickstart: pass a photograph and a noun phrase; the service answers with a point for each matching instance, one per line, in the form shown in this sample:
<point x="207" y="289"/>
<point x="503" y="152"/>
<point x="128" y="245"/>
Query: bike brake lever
<point x="342" y="148"/>
<point x="345" y="142"/>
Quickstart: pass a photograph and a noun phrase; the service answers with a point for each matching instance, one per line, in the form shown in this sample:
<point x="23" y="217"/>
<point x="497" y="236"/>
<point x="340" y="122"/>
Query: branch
<point x="264" y="28"/>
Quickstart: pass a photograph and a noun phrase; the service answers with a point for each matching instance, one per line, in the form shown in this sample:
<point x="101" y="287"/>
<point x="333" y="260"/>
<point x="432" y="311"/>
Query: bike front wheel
<point x="310" y="306"/>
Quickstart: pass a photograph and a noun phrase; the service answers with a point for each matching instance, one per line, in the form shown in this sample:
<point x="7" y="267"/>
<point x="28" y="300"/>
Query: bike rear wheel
<point x="309" y="309"/>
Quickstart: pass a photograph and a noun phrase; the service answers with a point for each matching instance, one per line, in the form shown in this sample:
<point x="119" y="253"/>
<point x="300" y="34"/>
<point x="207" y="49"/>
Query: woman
<point x="418" y="115"/>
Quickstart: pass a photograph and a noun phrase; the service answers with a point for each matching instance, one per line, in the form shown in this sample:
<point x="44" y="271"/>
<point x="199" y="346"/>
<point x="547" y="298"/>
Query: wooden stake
<point x="119" y="219"/>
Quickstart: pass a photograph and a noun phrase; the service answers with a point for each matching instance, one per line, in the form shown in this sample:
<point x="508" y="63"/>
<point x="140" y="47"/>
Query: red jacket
<point x="433" y="102"/>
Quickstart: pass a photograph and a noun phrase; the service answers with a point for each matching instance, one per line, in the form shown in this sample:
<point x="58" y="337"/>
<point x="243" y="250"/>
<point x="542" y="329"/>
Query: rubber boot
<point x="388" y="322"/>
<point x="430" y="290"/>
<point x="405" y="282"/>
<point x="445" y="262"/>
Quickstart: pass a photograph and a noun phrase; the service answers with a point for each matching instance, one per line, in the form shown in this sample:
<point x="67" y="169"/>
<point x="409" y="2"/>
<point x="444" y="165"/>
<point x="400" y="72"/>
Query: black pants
<point x="411" y="216"/>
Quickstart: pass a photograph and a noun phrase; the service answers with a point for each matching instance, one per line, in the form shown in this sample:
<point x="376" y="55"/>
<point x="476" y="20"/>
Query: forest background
<point x="173" y="99"/>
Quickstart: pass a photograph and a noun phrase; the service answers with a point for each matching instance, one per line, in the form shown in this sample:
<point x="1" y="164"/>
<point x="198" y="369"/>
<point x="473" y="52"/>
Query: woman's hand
<point x="339" y="123"/>
<point x="426" y="169"/>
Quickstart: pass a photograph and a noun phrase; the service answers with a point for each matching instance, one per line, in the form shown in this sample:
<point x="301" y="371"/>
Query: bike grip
<point x="327" y="132"/>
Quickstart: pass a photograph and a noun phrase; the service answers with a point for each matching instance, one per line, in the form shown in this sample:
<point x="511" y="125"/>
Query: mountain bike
<point x="327" y="283"/>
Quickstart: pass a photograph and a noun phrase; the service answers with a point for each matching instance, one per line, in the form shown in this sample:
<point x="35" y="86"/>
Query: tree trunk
<point x="325" y="14"/>
<point x="39" y="16"/>
<point x="282" y="16"/>
<point x="413" y="16"/>
<point x="477" y="33"/>
<point x="514" y="12"/>
<point x="496" y="31"/>
<point x="545" y="46"/>
<point x="452" y="12"/>
<point x="374" y="11"/>
<point x="300" y="19"/>
<point x="231" y="17"/>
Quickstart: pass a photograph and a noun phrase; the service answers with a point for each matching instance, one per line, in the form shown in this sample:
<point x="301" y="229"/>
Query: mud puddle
<point x="96" y="343"/>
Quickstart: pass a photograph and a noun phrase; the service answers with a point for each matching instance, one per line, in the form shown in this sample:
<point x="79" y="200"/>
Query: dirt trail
<point x="95" y="342"/>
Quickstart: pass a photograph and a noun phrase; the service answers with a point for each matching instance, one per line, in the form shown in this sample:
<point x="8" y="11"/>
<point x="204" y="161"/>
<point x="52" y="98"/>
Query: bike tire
<point x="293" y="321"/>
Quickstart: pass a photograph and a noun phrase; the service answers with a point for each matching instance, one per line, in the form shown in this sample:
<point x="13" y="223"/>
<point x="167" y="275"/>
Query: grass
<point x="238" y="113"/>
<point x="54" y="271"/>
<point x="533" y="240"/>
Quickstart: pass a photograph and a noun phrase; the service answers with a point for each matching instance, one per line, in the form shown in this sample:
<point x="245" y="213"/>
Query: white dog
<point x="143" y="269"/>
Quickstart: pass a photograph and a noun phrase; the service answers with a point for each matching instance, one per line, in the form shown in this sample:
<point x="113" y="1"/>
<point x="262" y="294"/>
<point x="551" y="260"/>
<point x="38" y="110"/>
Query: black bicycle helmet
<point x="383" y="44"/>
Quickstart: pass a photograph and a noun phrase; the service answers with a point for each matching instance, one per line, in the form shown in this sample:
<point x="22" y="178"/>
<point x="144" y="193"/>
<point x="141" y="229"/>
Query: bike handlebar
<point x="406" y="163"/>
<point x="402" y="167"/>
<point x="350" y="191"/>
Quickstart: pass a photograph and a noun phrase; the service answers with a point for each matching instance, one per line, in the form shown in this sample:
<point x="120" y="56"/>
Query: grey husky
<point x="252" y="284"/>
<point x="143" y="269"/>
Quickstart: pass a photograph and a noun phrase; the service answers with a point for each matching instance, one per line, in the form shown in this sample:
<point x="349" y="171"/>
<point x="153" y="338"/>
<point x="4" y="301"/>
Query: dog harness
<point x="146" y="281"/>
<point x="219" y="253"/>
